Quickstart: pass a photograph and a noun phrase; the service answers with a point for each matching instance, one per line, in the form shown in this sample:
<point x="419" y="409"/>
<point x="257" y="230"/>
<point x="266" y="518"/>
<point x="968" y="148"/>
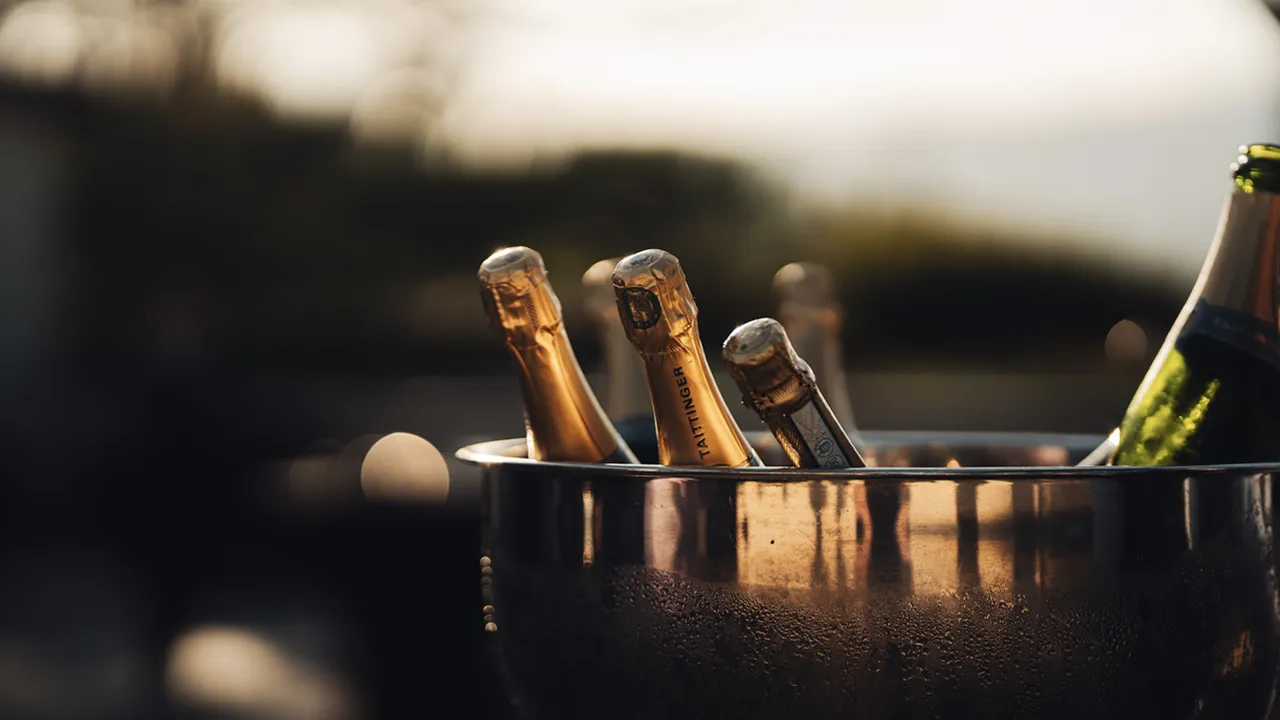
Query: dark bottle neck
<point x="1241" y="272"/>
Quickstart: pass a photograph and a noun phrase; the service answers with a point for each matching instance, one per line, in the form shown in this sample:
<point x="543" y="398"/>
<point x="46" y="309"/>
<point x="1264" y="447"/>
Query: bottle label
<point x="1247" y="332"/>
<point x="691" y="413"/>
<point x="818" y="437"/>
<point x="644" y="308"/>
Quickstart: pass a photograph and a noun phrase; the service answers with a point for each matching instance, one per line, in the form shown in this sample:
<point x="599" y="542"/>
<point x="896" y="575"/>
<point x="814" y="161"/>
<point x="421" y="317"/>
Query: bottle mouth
<point x="518" y="266"/>
<point x="1257" y="168"/>
<point x="804" y="283"/>
<point x="517" y="295"/>
<point x="600" y="274"/>
<point x="642" y="266"/>
<point x="756" y="342"/>
<point x="651" y="290"/>
<point x="765" y="367"/>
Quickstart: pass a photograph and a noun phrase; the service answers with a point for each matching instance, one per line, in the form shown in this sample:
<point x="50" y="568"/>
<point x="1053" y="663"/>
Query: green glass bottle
<point x="1212" y="395"/>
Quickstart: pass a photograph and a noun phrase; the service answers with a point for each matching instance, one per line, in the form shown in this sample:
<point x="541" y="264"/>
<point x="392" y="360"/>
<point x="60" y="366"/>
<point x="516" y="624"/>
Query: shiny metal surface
<point x="994" y="592"/>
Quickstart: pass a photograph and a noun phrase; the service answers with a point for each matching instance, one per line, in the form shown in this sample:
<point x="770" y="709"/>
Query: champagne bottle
<point x="563" y="419"/>
<point x="1212" y="395"/>
<point x="626" y="395"/>
<point x="780" y="387"/>
<point x="1102" y="454"/>
<point x="813" y="318"/>
<point x="693" y="423"/>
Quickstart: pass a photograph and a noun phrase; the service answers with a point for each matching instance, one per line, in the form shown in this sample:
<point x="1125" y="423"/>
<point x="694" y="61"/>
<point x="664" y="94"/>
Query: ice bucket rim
<point x="510" y="451"/>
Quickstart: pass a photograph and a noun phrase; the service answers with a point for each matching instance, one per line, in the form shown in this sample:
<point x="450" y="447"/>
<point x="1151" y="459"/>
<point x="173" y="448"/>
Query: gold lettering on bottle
<point x="691" y="411"/>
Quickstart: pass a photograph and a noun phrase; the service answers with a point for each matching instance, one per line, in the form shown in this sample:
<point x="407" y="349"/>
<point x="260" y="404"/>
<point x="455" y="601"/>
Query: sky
<point x="1114" y="120"/>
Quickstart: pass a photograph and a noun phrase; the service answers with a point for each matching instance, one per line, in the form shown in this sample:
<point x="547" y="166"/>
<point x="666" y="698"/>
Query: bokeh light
<point x="405" y="468"/>
<point x="41" y="41"/>
<point x="1126" y="342"/>
<point x="241" y="670"/>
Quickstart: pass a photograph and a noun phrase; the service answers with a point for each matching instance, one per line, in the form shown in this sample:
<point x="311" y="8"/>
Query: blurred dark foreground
<point x="206" y="545"/>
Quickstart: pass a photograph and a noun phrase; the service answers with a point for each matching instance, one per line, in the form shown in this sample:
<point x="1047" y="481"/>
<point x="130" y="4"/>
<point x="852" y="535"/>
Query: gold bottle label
<point x="691" y="413"/>
<point x="643" y="306"/>
<point x="694" y="425"/>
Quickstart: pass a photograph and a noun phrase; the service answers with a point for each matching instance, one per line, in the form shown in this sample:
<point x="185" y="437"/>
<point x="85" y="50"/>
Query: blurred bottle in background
<point x="813" y="318"/>
<point x="626" y="394"/>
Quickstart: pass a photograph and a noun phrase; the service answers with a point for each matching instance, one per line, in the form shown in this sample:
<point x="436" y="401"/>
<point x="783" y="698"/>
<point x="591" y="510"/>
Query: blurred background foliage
<point x="279" y="244"/>
<point x="200" y="210"/>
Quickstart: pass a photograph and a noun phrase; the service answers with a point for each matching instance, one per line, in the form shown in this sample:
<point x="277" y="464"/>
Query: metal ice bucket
<point x="993" y="590"/>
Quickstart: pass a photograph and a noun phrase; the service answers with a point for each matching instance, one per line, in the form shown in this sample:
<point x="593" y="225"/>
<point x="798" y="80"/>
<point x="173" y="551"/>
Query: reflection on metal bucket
<point x="638" y="591"/>
<point x="935" y="537"/>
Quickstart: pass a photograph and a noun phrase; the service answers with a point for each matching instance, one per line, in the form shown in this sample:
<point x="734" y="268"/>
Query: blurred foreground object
<point x="75" y="628"/>
<point x="272" y="653"/>
<point x="779" y="386"/>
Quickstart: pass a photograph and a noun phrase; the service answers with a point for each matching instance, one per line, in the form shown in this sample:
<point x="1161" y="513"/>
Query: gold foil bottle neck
<point x="693" y="424"/>
<point x="563" y="419"/>
<point x="779" y="386"/>
<point x="762" y="361"/>
<point x="517" y="294"/>
<point x="516" y="270"/>
<point x="654" y="300"/>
